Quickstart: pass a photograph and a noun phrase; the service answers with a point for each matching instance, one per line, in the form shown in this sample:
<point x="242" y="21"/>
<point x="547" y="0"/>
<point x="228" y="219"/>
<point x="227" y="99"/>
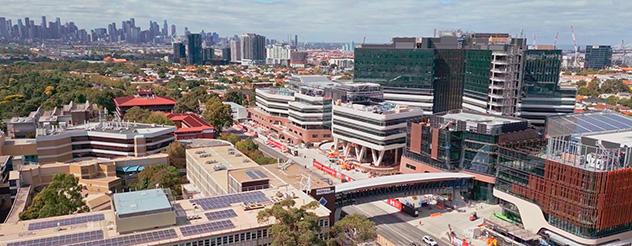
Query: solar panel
<point x="65" y="222"/>
<point x="587" y="123"/>
<point x="251" y="175"/>
<point x="134" y="239"/>
<point x="222" y="214"/>
<point x="62" y="240"/>
<point x="227" y="200"/>
<point x="206" y="228"/>
<point x="260" y="174"/>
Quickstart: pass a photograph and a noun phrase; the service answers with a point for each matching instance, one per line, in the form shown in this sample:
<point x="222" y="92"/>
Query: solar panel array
<point x="206" y="228"/>
<point x="65" y="222"/>
<point x="62" y="240"/>
<point x="134" y="239"/>
<point x="222" y="214"/>
<point x="256" y="174"/>
<point x="587" y="123"/>
<point x="227" y="200"/>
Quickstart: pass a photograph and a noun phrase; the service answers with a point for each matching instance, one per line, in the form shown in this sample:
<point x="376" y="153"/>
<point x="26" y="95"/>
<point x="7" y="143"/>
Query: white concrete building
<point x="278" y="54"/>
<point x="373" y="133"/>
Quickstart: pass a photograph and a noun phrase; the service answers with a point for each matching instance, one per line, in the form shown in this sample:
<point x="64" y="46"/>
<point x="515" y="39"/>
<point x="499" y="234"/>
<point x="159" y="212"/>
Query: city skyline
<point x="325" y="21"/>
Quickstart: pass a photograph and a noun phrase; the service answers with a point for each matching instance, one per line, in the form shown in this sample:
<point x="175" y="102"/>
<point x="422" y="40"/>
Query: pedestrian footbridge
<point x="401" y="185"/>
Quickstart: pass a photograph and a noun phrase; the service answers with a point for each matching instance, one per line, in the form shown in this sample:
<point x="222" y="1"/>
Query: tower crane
<point x="575" y="63"/>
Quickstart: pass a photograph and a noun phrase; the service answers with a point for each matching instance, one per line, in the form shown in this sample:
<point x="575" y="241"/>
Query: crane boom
<point x="575" y="63"/>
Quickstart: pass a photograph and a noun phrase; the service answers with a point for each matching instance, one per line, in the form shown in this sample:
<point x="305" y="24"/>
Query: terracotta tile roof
<point x="190" y="122"/>
<point x="131" y="101"/>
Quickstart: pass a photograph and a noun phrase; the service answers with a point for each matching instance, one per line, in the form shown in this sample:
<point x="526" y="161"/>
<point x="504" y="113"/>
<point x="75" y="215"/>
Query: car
<point x="429" y="240"/>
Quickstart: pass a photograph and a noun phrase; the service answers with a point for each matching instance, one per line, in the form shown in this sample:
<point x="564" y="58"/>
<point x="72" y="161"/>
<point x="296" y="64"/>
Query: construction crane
<point x="575" y="62"/>
<point x="557" y="38"/>
<point x="363" y="40"/>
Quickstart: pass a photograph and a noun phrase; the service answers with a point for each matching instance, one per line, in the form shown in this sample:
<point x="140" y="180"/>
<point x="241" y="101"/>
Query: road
<point x="390" y="226"/>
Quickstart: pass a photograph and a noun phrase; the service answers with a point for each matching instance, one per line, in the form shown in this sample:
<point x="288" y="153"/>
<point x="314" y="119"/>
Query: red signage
<point x="324" y="168"/>
<point x="395" y="203"/>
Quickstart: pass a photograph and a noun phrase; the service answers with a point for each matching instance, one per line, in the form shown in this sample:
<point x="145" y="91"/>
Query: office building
<point x="598" y="56"/>
<point x="253" y="49"/>
<point x="541" y="93"/>
<point x="574" y="188"/>
<point x="278" y="54"/>
<point x="405" y="72"/>
<point x="300" y="113"/>
<point x="153" y="217"/>
<point x="208" y="54"/>
<point x="370" y="131"/>
<point x="462" y="141"/>
<point x="194" y="49"/>
<point x="298" y="58"/>
<point x="149" y="102"/>
<point x="102" y="139"/>
<point x="67" y="115"/>
<point x="239" y="113"/>
<point x="235" y="51"/>
<point x="179" y="52"/>
<point x="478" y="71"/>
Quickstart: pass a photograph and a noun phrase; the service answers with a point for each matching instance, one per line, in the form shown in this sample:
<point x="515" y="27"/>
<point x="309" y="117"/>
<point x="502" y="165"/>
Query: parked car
<point x="429" y="240"/>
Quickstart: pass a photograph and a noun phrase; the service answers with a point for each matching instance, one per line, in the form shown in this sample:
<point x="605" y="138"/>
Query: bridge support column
<point x="337" y="215"/>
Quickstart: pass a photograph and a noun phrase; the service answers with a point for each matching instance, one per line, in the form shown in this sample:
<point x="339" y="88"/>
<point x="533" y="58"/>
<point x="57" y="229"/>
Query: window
<point x="314" y="135"/>
<point x="411" y="167"/>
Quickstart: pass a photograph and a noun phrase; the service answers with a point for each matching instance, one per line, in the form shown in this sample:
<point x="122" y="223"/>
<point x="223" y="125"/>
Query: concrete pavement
<point x="394" y="228"/>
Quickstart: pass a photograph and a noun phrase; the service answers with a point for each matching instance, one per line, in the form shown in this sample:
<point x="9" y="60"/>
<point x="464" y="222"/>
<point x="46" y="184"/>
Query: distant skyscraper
<point x="598" y="57"/>
<point x="165" y="29"/>
<point x="179" y="52"/>
<point x="253" y="48"/>
<point x="173" y="30"/>
<point x="296" y="41"/>
<point x="194" y="49"/>
<point x="235" y="50"/>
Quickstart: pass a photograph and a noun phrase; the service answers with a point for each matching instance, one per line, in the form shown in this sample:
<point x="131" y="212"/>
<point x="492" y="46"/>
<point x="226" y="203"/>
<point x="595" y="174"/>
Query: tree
<point x="136" y="114"/>
<point x="353" y="230"/>
<point x="612" y="100"/>
<point x="292" y="225"/>
<point x="234" y="96"/>
<point x="583" y="91"/>
<point x="61" y="197"/>
<point x="218" y="114"/>
<point x="158" y="118"/>
<point x="232" y="138"/>
<point x="581" y="83"/>
<point x="159" y="176"/>
<point x="191" y="102"/>
<point x="177" y="155"/>
<point x="593" y="87"/>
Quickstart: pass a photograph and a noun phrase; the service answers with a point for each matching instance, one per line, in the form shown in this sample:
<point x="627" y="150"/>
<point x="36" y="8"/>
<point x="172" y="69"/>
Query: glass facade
<point x="448" y="84"/>
<point x="411" y="68"/>
<point x="477" y="66"/>
<point x="598" y="57"/>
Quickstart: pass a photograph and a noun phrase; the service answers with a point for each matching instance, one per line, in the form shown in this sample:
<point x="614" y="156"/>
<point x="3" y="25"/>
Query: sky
<point x="595" y="21"/>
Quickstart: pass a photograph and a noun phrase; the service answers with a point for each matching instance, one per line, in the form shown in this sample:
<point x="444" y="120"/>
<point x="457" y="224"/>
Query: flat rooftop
<point x="140" y="202"/>
<point x="119" y="127"/>
<point x="380" y="108"/>
<point x="621" y="138"/>
<point x="481" y="118"/>
<point x="224" y="155"/>
<point x="225" y="213"/>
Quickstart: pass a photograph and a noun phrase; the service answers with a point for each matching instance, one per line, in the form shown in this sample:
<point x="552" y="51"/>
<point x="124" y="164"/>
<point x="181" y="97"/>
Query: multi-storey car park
<point x="576" y="187"/>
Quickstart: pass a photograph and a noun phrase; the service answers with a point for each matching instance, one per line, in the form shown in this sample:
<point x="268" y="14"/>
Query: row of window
<point x="230" y="239"/>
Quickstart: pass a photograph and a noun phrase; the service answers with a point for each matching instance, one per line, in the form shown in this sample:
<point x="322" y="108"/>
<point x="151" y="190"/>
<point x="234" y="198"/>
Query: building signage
<point x="324" y="191"/>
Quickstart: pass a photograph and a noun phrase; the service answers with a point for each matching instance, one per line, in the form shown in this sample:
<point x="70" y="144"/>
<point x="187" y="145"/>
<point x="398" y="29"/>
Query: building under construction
<point x="576" y="188"/>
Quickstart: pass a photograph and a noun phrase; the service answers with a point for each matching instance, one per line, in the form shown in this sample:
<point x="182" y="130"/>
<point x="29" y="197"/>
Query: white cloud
<point x="595" y="21"/>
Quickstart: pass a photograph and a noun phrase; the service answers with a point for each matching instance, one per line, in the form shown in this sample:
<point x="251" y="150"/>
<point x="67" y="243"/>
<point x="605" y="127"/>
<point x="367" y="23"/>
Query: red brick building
<point x="150" y="102"/>
<point x="190" y="126"/>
